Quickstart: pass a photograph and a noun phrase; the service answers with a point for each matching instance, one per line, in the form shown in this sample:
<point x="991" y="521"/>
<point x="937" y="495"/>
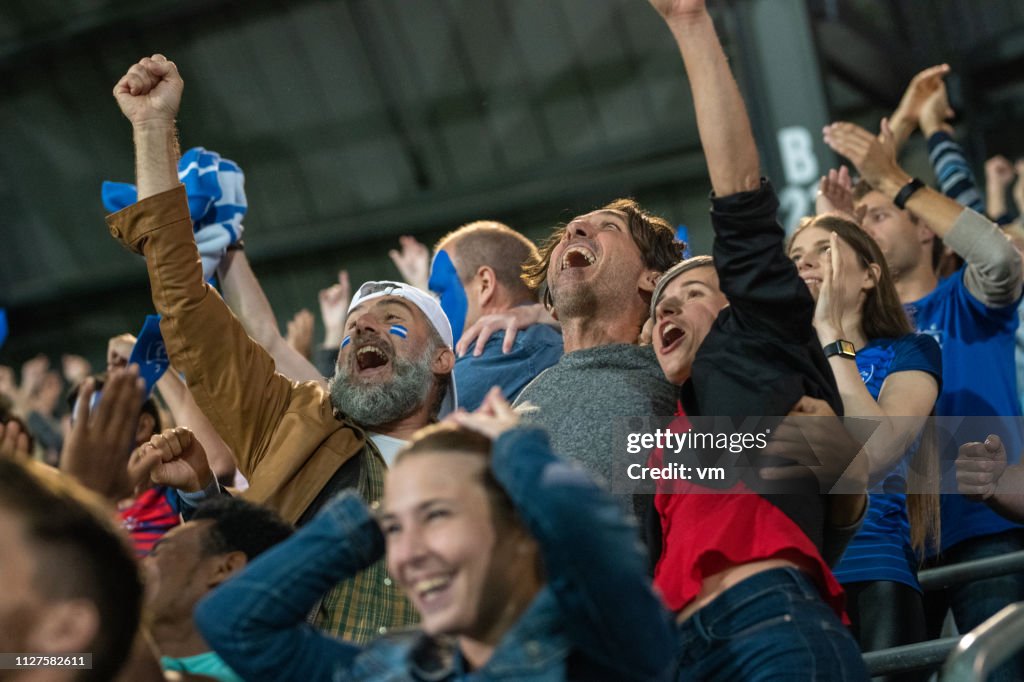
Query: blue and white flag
<point x="216" y="202"/>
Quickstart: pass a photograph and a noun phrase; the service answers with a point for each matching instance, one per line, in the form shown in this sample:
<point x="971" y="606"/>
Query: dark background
<point x="360" y="120"/>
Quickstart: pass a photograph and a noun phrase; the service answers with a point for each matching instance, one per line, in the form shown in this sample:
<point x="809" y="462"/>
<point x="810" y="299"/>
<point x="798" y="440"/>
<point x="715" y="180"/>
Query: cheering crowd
<point x="427" y="495"/>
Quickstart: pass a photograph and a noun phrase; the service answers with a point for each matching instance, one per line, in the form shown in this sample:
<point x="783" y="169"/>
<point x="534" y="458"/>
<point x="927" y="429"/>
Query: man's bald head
<point x="486" y="243"/>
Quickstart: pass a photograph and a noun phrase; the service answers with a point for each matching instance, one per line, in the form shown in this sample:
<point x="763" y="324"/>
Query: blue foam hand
<point x="683" y="235"/>
<point x="118" y="195"/>
<point x="149" y="353"/>
<point x="445" y="282"/>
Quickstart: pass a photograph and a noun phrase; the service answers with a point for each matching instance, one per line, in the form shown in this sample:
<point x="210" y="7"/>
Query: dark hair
<point x="240" y="526"/>
<point x="883" y="315"/>
<point x="653" y="235"/>
<point x="497" y="246"/>
<point x="450" y="438"/>
<point x="79" y="554"/>
<point x="861" y="190"/>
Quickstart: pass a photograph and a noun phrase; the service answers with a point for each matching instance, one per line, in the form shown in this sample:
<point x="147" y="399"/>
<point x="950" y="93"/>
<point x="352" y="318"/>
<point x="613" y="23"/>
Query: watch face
<point x="842" y="348"/>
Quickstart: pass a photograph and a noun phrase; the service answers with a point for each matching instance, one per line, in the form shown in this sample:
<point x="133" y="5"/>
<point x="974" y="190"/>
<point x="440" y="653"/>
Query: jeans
<point x="973" y="603"/>
<point x="772" y="626"/>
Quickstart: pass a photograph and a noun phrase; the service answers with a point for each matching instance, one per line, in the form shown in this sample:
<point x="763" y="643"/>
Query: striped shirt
<point x="881" y="549"/>
<point x="149" y="516"/>
<point x="954" y="173"/>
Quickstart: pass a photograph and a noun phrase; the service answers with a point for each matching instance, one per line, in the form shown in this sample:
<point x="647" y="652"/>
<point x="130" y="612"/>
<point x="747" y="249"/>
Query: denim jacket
<point x="595" y="619"/>
<point x="535" y="349"/>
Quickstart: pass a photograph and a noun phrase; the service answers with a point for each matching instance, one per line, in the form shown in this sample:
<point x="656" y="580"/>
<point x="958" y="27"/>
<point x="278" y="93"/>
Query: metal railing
<point x="921" y="656"/>
<point x="955" y="574"/>
<point x="971" y="656"/>
<point x="985" y="647"/>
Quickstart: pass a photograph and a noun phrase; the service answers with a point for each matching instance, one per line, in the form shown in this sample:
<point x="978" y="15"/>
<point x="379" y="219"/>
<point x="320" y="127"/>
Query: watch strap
<point x="906" y="192"/>
<point x="842" y="348"/>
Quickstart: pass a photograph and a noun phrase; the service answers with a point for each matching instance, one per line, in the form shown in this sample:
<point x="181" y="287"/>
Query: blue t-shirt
<point x="978" y="380"/>
<point x="881" y="548"/>
<point x="536" y="348"/>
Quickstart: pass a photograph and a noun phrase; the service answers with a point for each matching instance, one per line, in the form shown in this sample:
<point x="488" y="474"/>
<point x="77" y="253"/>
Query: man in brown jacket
<point x="294" y="442"/>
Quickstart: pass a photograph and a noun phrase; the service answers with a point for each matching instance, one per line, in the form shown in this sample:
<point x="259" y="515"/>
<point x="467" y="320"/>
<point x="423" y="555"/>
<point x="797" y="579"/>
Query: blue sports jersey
<point x="978" y="379"/>
<point x="881" y="548"/>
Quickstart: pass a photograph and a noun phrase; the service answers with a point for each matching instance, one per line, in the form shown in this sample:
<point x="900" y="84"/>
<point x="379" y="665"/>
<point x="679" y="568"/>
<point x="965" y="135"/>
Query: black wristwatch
<point x="906" y="192"/>
<point x="843" y="349"/>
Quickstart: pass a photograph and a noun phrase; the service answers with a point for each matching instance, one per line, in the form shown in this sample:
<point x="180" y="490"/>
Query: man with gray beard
<point x="298" y="444"/>
<point x="379" y="343"/>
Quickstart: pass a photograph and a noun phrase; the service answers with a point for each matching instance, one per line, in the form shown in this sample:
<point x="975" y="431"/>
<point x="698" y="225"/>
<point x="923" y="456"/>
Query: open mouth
<point x="671" y="336"/>
<point x="371" y="357"/>
<point x="578" y="257"/>
<point x="430" y="591"/>
<point x="812" y="281"/>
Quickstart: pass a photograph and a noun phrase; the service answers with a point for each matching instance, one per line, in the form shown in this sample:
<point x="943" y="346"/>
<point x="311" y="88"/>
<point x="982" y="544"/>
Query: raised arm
<point x="98" y="446"/>
<point x="245" y="297"/>
<point x="767" y="299"/>
<point x="334" y="302"/>
<point x="907" y="116"/>
<point x="186" y="413"/>
<point x="149" y="96"/>
<point x="909" y="390"/>
<point x="230" y="376"/>
<point x="956" y="179"/>
<point x="998" y="177"/>
<point x="183" y="408"/>
<point x="722" y="120"/>
<point x="994" y="268"/>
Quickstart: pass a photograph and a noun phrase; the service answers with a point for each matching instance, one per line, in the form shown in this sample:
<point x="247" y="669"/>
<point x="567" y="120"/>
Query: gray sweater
<point x="579" y="398"/>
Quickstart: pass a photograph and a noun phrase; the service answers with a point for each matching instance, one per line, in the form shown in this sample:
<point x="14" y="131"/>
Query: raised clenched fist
<point x="979" y="467"/>
<point x="150" y="92"/>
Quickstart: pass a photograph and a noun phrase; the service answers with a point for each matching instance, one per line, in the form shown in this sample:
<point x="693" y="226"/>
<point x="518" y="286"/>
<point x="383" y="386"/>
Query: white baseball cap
<point x="429" y="306"/>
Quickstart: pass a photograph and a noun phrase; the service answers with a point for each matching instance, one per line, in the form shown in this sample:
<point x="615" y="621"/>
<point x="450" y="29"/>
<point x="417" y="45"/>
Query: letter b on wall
<point x="798" y="159"/>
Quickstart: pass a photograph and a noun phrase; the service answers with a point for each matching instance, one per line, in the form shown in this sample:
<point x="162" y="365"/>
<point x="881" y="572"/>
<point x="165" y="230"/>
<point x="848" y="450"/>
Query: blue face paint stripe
<point x="345" y="341"/>
<point x="399" y="331"/>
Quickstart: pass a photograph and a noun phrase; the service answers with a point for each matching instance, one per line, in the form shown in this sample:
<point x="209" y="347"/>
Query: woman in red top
<point x="744" y="572"/>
